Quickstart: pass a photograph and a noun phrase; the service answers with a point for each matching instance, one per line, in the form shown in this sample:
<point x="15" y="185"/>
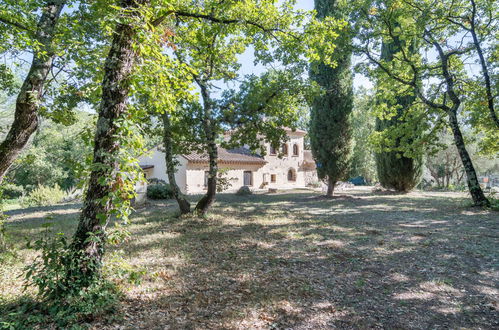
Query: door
<point x="248" y="178"/>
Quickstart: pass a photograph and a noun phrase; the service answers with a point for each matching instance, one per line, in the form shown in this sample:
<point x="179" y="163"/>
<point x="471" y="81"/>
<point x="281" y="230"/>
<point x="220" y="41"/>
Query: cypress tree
<point x="396" y="171"/>
<point x="330" y="128"/>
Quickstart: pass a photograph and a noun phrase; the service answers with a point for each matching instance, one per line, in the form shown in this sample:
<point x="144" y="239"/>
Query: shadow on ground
<point x="294" y="260"/>
<point x="302" y="262"/>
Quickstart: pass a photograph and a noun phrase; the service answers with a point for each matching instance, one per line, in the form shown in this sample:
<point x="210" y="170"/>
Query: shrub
<point x="315" y="184"/>
<point x="159" y="191"/>
<point x="156" y="181"/>
<point x="223" y="181"/>
<point x="244" y="191"/>
<point x="44" y="196"/>
<point x="494" y="200"/>
<point x="11" y="191"/>
<point x="66" y="296"/>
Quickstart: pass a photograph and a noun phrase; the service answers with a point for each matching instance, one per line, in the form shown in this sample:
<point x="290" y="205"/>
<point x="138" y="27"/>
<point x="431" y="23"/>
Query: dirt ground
<point x="294" y="260"/>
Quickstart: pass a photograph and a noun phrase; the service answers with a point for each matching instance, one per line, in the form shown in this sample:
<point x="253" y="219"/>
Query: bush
<point x="65" y="296"/>
<point x="159" y="191"/>
<point x="156" y="181"/>
<point x="244" y="191"/>
<point x="44" y="196"/>
<point x="11" y="191"/>
<point x="494" y="200"/>
<point x="315" y="184"/>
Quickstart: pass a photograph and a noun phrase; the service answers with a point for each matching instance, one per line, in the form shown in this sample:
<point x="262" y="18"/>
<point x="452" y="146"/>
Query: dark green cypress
<point x="395" y="171"/>
<point x="330" y="128"/>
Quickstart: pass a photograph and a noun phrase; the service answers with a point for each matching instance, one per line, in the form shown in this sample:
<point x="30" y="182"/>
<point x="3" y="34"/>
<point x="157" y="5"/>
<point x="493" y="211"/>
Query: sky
<point x="247" y="58"/>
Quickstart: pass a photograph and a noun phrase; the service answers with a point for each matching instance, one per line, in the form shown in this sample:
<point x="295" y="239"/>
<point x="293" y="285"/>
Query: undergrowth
<point x="65" y="296"/>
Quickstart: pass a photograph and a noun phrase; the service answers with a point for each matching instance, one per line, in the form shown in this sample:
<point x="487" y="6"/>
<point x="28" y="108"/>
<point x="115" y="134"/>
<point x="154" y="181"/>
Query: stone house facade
<point x="290" y="167"/>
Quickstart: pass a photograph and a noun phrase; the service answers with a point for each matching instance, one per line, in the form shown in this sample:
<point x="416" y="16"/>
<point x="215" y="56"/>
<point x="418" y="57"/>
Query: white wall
<point x="196" y="172"/>
<point x="190" y="177"/>
<point x="280" y="166"/>
<point x="157" y="159"/>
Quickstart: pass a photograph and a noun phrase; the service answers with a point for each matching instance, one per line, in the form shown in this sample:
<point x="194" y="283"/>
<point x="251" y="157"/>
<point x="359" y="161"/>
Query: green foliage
<point x="3" y="238"/>
<point x="223" y="181"/>
<point x="330" y="124"/>
<point x="494" y="202"/>
<point x="398" y="172"/>
<point x="159" y="191"/>
<point x="262" y="106"/>
<point x="363" y="123"/>
<point x="44" y="196"/>
<point x="66" y="297"/>
<point x="244" y="191"/>
<point x="56" y="155"/>
<point x="399" y="156"/>
<point x="430" y="46"/>
<point x="11" y="191"/>
<point x="395" y="168"/>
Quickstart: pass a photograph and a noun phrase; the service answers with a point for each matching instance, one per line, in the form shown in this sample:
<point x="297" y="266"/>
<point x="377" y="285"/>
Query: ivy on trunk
<point x="90" y="236"/>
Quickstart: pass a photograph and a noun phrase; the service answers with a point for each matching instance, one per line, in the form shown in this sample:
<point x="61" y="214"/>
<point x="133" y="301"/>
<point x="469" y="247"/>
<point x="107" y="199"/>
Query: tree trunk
<point x="89" y="238"/>
<point x="183" y="203"/>
<point x="205" y="203"/>
<point x="28" y="100"/>
<point x="330" y="187"/>
<point x="485" y="70"/>
<point x="476" y="192"/>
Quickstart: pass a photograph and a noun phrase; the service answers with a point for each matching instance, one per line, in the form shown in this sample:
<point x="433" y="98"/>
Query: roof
<point x="287" y="129"/>
<point x="225" y="156"/>
<point x="297" y="130"/>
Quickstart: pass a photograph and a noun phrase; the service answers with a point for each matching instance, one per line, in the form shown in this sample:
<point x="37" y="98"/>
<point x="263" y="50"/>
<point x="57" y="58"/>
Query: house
<point x="294" y="168"/>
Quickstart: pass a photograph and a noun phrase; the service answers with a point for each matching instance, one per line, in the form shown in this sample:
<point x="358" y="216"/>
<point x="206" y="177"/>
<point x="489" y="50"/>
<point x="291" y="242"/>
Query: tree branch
<point x="15" y="24"/>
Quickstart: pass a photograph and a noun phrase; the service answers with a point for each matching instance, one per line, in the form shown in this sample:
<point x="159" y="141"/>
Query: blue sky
<point x="247" y="58"/>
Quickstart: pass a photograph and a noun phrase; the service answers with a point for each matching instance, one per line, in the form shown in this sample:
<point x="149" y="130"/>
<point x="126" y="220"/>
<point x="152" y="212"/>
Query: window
<point x="291" y="175"/>
<point x="295" y="150"/>
<point x="284" y="149"/>
<point x="206" y="176"/>
<point x="273" y="151"/>
<point x="273" y="178"/>
<point x="248" y="178"/>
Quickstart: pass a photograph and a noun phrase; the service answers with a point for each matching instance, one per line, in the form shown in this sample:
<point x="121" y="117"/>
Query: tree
<point x="55" y="155"/>
<point x="106" y="184"/>
<point x="31" y="92"/>
<point x="395" y="169"/>
<point x="171" y="164"/>
<point x="444" y="164"/>
<point x="363" y="124"/>
<point x="439" y="82"/>
<point x="143" y="32"/>
<point x="208" y="41"/>
<point x="330" y="127"/>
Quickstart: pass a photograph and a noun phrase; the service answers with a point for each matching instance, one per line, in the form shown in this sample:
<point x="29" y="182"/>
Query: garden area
<point x="256" y="164"/>
<point x="290" y="260"/>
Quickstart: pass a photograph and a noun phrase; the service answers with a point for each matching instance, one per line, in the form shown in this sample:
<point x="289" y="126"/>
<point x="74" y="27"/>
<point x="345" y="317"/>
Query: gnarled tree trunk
<point x="89" y="238"/>
<point x="28" y="100"/>
<point x="475" y="190"/>
<point x="183" y="203"/>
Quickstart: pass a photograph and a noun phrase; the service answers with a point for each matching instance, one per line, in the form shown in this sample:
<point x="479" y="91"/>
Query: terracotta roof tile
<point x="232" y="156"/>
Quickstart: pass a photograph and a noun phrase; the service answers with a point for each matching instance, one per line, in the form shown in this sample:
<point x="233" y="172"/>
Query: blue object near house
<point x="358" y="181"/>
